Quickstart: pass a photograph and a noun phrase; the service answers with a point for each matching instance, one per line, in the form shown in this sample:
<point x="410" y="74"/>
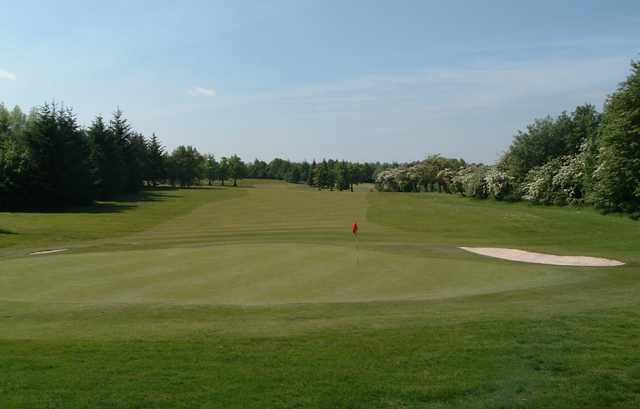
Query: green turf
<point x="257" y="296"/>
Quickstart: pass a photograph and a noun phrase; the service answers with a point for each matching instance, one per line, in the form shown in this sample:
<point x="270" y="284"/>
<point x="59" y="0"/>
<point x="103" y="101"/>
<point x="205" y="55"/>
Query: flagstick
<point x="357" y="248"/>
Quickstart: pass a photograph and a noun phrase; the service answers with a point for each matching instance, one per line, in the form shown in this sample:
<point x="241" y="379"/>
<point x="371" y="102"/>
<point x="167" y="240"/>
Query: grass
<point x="253" y="297"/>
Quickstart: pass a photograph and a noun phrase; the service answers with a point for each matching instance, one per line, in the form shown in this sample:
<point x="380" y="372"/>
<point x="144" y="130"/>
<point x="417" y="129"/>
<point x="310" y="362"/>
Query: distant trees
<point x="47" y="160"/>
<point x="237" y="169"/>
<point x="258" y="170"/>
<point x="212" y="169"/>
<point x="344" y="176"/>
<point x="328" y="174"/>
<point x="185" y="166"/>
<point x="223" y="170"/>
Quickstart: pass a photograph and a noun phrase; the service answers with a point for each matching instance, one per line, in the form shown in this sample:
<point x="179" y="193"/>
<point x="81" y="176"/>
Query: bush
<point x="499" y="185"/>
<point x="538" y="184"/>
<point x="404" y="179"/>
<point x="559" y="181"/>
<point x="471" y="182"/>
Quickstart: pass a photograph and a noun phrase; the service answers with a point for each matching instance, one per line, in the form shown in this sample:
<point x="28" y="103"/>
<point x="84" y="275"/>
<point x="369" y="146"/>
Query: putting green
<point x="260" y="274"/>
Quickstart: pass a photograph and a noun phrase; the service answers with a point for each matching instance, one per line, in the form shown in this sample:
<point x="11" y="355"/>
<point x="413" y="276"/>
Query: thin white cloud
<point x="448" y="90"/>
<point x="202" y="92"/>
<point x="6" y="75"/>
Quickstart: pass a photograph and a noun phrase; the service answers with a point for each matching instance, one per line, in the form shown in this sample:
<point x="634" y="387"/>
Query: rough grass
<point x="253" y="297"/>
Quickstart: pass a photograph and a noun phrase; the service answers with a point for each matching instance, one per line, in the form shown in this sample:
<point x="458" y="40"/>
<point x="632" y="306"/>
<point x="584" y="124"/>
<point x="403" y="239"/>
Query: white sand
<point x="539" y="258"/>
<point x="37" y="253"/>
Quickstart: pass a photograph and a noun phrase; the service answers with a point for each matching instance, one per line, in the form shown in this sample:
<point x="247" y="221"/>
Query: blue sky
<point x="359" y="80"/>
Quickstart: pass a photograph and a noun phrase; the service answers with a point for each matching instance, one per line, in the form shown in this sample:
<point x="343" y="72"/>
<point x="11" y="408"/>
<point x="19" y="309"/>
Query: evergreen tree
<point x="102" y="152"/>
<point x="137" y="162"/>
<point x="60" y="172"/>
<point x="305" y="168"/>
<point x="323" y="176"/>
<point x="343" y="176"/>
<point x="311" y="174"/>
<point x="156" y="156"/>
<point x="119" y="132"/>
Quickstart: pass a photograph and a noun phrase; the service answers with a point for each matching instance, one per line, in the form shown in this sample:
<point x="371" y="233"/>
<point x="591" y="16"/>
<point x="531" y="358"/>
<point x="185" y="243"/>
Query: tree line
<point x="582" y="157"/>
<point x="328" y="174"/>
<point x="48" y="161"/>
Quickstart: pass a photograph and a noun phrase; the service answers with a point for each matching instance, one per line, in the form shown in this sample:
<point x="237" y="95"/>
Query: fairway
<point x="180" y="299"/>
<point x="272" y="244"/>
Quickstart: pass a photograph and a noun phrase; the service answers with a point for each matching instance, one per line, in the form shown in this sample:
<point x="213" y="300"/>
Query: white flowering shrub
<point x="470" y="181"/>
<point x="538" y="185"/>
<point x="499" y="185"/>
<point x="434" y="174"/>
<point x="559" y="181"/>
<point x="445" y="180"/>
<point x="568" y="182"/>
<point x="397" y="180"/>
<point x="386" y="181"/>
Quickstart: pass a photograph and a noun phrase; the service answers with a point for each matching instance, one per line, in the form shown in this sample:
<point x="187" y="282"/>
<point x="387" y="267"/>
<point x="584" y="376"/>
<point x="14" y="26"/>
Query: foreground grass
<point x="252" y="297"/>
<point x="570" y="362"/>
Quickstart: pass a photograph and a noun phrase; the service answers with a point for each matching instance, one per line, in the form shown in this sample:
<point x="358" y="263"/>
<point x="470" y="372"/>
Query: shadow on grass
<point x="3" y="231"/>
<point x="116" y="205"/>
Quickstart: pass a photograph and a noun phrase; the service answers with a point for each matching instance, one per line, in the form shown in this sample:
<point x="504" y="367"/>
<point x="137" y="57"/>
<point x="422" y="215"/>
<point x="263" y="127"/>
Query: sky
<point x="302" y="80"/>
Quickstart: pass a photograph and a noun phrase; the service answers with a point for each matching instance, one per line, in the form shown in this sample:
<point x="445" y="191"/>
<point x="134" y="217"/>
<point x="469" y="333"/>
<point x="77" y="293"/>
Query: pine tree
<point x="343" y="176"/>
<point x="118" y="139"/>
<point x="156" y="166"/>
<point x="137" y="162"/>
<point x="294" y="174"/>
<point x="101" y="161"/>
<point x="59" y="162"/>
<point x="311" y="174"/>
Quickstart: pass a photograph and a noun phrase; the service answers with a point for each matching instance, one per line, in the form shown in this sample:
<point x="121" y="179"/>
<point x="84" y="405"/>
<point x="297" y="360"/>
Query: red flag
<point x="354" y="228"/>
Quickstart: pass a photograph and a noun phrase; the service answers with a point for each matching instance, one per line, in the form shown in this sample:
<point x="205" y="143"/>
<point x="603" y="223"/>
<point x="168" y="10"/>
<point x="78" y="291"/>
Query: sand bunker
<point x="37" y="253"/>
<point x="539" y="258"/>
